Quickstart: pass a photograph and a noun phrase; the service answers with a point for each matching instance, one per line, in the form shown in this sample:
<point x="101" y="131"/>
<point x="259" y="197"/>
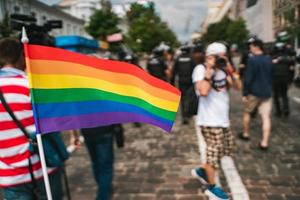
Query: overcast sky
<point x="183" y="16"/>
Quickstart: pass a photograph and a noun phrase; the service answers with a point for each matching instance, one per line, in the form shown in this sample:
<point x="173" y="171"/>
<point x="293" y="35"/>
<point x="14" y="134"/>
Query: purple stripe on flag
<point x="93" y="120"/>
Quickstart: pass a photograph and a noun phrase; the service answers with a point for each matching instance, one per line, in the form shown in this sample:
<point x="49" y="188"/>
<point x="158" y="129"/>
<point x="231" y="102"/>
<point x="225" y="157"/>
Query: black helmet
<point x="298" y="58"/>
<point x="158" y="52"/>
<point x="128" y="58"/>
<point x="277" y="49"/>
<point x="252" y="39"/>
<point x="198" y="48"/>
<point x="185" y="49"/>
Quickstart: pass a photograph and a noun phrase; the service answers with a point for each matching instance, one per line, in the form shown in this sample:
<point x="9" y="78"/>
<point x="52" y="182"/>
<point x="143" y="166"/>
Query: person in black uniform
<point x="183" y="68"/>
<point x="156" y="65"/>
<point x="283" y="77"/>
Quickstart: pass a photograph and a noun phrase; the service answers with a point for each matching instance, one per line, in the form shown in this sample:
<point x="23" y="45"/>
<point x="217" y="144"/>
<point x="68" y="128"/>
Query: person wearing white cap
<point x="212" y="81"/>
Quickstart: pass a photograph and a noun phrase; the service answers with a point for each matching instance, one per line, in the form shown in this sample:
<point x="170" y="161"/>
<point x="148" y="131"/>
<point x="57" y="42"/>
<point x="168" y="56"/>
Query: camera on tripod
<point x="37" y="34"/>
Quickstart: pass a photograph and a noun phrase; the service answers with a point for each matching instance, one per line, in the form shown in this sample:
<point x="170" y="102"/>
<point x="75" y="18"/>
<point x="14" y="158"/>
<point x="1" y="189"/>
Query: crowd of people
<point x="204" y="76"/>
<point x="260" y="75"/>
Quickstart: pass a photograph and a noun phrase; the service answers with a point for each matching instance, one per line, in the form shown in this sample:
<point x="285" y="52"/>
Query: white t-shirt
<point x="213" y="109"/>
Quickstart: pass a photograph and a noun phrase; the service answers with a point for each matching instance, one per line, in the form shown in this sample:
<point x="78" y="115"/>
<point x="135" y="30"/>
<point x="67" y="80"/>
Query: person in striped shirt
<point x="15" y="177"/>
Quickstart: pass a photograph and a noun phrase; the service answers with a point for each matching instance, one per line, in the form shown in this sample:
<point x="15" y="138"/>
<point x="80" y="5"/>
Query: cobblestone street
<point x="68" y="67"/>
<point x="156" y="165"/>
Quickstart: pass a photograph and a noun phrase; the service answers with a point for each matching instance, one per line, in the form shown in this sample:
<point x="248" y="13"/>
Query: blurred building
<point x="213" y="14"/>
<point x="43" y="13"/>
<point x="258" y="15"/>
<point x="237" y="9"/>
<point x="266" y="18"/>
<point x="287" y="14"/>
<point x="82" y="9"/>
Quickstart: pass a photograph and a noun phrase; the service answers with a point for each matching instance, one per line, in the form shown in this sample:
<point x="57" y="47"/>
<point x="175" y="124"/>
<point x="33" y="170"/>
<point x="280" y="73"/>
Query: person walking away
<point x="212" y="81"/>
<point x="99" y="143"/>
<point x="257" y="91"/>
<point x="283" y="77"/>
<point x="183" y="68"/>
<point x="20" y="178"/>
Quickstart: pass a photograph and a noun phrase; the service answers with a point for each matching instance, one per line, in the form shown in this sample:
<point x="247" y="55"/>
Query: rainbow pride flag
<point x="73" y="91"/>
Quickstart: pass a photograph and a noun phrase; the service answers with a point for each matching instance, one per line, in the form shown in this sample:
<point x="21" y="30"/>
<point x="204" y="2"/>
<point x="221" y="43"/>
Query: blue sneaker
<point x="200" y="174"/>
<point x="216" y="193"/>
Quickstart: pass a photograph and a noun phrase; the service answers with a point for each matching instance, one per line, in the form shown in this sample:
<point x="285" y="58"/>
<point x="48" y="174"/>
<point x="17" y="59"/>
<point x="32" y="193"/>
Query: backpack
<point x="193" y="101"/>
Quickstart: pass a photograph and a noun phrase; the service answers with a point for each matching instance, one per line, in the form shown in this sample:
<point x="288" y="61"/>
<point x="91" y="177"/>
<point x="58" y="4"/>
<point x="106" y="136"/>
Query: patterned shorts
<point x="219" y="143"/>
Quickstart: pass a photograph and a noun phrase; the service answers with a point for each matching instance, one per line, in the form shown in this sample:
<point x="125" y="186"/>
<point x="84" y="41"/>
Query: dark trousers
<point x="100" y="149"/>
<point x="184" y="102"/>
<point x="280" y="94"/>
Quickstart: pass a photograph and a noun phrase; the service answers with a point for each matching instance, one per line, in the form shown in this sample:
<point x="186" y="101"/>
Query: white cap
<point x="215" y="49"/>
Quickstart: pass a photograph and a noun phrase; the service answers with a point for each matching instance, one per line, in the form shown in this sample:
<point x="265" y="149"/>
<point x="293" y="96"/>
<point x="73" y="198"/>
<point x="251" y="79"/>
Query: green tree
<point x="103" y="23"/>
<point x="5" y="29"/>
<point x="237" y="32"/>
<point x="292" y="27"/>
<point x="227" y="30"/>
<point x="146" y="29"/>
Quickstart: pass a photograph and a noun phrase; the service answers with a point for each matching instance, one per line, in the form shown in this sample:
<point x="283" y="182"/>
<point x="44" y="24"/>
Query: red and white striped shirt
<point x="14" y="146"/>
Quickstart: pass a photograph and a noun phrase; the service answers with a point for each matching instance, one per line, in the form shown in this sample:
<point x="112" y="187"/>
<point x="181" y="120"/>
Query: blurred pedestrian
<point x="235" y="56"/>
<point x="283" y="63"/>
<point x="156" y="65"/>
<point x="212" y="80"/>
<point x="257" y="91"/>
<point x="20" y="170"/>
<point x="99" y="143"/>
<point x="169" y="60"/>
<point x="183" y="68"/>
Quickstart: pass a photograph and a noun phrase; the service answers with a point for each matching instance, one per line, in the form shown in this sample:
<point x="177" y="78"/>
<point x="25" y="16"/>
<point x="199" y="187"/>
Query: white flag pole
<point x="25" y="40"/>
<point x="44" y="166"/>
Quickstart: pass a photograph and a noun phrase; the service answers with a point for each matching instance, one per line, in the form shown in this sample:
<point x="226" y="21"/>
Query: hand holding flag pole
<point x="25" y="41"/>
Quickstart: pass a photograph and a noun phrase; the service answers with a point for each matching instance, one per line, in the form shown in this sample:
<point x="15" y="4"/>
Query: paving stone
<point x="277" y="169"/>
<point x="155" y="165"/>
<point x="275" y="197"/>
<point x="292" y="197"/>
<point x="258" y="197"/>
